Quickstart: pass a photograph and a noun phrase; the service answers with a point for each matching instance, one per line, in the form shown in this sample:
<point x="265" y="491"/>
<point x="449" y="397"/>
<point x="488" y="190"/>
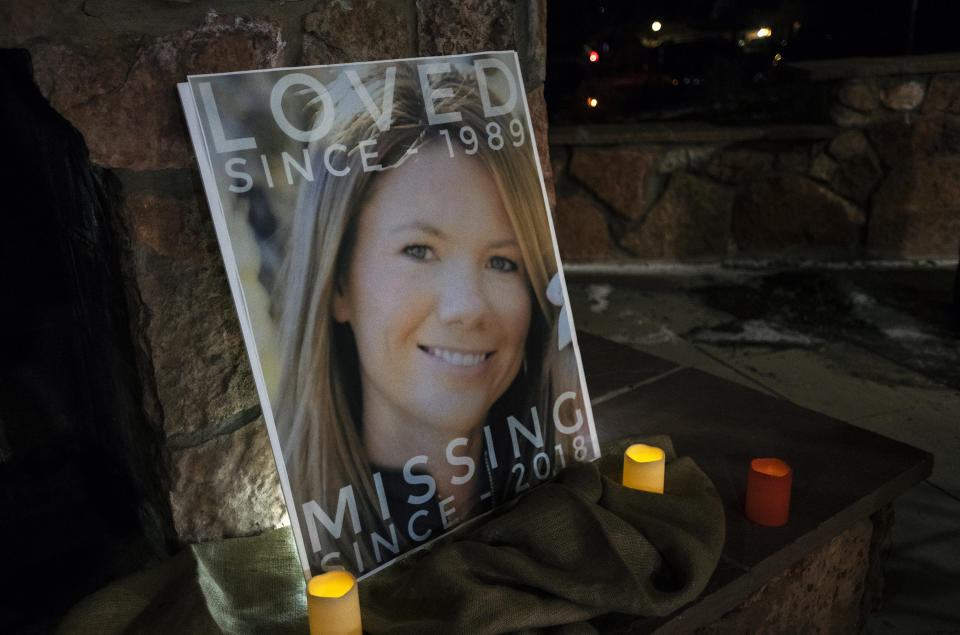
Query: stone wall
<point x="874" y="175"/>
<point x="110" y="67"/>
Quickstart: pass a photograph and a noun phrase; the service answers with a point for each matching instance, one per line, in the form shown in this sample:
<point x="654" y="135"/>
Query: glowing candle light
<point x="592" y="102"/>
<point x="768" y="492"/>
<point x="333" y="604"/>
<point x="764" y="32"/>
<point x="643" y="468"/>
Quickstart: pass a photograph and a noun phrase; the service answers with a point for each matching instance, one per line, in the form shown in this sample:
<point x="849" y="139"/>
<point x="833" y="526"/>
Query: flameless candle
<point x="333" y="604"/>
<point x="643" y="468"/>
<point x="768" y="492"/>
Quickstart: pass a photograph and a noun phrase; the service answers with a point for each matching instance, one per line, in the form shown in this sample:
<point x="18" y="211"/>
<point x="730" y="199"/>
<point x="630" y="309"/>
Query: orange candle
<point x="333" y="604"/>
<point x="768" y="492"/>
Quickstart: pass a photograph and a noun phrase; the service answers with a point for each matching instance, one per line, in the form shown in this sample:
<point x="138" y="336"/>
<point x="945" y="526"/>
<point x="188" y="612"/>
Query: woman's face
<point x="436" y="294"/>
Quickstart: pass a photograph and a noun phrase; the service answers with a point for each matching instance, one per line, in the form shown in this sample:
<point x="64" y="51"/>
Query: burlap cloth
<point x="568" y="551"/>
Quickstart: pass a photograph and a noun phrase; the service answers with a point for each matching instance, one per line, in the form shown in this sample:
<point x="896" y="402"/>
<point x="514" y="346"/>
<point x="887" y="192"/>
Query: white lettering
<point x="220" y="142"/>
<point x="489" y="110"/>
<point x="446" y="513"/>
<point x="564" y="429"/>
<point x="325" y="122"/>
<point x="535" y="437"/>
<point x="335" y="147"/>
<point x="381" y="496"/>
<point x="414" y="535"/>
<point x="364" y="155"/>
<point x="377" y="540"/>
<point x="305" y="170"/>
<point x="490" y="452"/>
<point x="345" y="501"/>
<point x="380" y="117"/>
<point x="430" y="95"/>
<point x="266" y="170"/>
<point x="453" y="459"/>
<point x="246" y="178"/>
<point x="418" y="479"/>
<point x="325" y="562"/>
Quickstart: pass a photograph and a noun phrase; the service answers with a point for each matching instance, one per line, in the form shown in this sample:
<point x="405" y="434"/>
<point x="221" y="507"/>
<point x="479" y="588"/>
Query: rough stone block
<point x="343" y="31"/>
<point x="581" y="226"/>
<point x="858" y="94"/>
<point x="796" y="159"/>
<point x="691" y="220"/>
<point x="903" y="95"/>
<point x="850" y="118"/>
<point x="538" y="118"/>
<point x="792" y="211"/>
<point x="673" y="160"/>
<point x="897" y="141"/>
<point x="624" y="178"/>
<point x="820" y="594"/>
<point x="849" y="145"/>
<point x="858" y="168"/>
<point x="532" y="41"/>
<point x="23" y="21"/>
<point x="943" y="94"/>
<point x="892" y="139"/>
<point x="936" y="134"/>
<point x="122" y="95"/>
<point x="823" y="168"/>
<point x="201" y="370"/>
<point x="738" y="164"/>
<point x="916" y="210"/>
<point x="227" y="487"/>
<point x="449" y="28"/>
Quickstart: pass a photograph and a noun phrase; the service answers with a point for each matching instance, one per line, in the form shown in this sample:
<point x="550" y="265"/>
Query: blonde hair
<point x="318" y="402"/>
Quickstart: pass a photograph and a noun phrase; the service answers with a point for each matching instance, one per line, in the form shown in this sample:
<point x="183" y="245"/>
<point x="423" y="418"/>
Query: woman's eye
<point x="418" y="252"/>
<point x="499" y="263"/>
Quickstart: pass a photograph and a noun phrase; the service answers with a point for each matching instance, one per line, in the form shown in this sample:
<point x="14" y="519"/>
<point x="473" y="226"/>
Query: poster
<point x="386" y="236"/>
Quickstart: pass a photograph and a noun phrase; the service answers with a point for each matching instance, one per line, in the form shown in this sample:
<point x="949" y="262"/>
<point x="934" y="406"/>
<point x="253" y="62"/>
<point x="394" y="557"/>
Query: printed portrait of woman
<point x="422" y="379"/>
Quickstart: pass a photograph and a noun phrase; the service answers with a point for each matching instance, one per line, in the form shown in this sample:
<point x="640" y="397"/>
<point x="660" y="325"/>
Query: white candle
<point x="643" y="467"/>
<point x="333" y="604"/>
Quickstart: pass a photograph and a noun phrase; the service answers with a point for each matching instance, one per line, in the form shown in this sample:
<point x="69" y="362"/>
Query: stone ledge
<point x="685" y="133"/>
<point x="849" y="67"/>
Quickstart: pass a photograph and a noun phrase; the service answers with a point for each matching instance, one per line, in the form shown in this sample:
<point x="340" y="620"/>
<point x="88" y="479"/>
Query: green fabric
<point x="159" y="600"/>
<point x="570" y="550"/>
<point x="114" y="607"/>
<point x="575" y="548"/>
<point x="254" y="585"/>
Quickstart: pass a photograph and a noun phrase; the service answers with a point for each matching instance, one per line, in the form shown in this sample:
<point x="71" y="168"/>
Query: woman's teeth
<point x="457" y="359"/>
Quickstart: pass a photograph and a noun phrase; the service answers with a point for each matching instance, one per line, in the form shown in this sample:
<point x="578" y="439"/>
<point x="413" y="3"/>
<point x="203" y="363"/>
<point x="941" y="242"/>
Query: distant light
<point x="592" y="102"/>
<point x="675" y="82"/>
<point x="741" y="43"/>
<point x="777" y="57"/>
<point x="764" y="32"/>
<point x="656" y="26"/>
<point x="594" y="56"/>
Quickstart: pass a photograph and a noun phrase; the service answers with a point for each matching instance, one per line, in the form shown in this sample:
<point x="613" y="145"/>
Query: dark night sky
<point x="700" y="47"/>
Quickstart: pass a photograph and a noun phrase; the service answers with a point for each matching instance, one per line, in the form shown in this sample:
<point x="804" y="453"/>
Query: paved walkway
<point x="867" y="345"/>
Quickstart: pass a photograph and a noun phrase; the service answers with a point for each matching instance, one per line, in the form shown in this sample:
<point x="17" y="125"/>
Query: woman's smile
<point x="457" y="357"/>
